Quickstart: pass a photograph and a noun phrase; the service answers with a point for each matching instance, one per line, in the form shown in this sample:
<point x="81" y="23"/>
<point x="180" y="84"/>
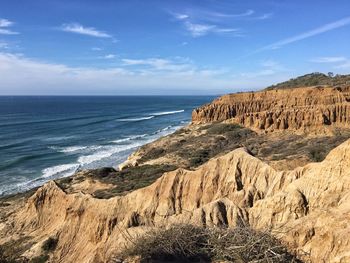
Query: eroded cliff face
<point x="308" y="208"/>
<point x="301" y="109"/>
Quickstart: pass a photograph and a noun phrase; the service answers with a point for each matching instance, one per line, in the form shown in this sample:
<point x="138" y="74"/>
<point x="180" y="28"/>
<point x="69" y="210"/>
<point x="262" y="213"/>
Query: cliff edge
<point x="297" y="109"/>
<point x="308" y="208"/>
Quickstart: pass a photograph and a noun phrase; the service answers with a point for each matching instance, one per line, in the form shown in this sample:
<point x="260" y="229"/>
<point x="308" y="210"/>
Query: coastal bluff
<point x="293" y="184"/>
<point x="307" y="208"/>
<point x="297" y="109"/>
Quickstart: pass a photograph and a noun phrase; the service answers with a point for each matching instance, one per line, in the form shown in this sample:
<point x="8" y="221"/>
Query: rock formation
<point x="302" y="109"/>
<point x="308" y="208"/>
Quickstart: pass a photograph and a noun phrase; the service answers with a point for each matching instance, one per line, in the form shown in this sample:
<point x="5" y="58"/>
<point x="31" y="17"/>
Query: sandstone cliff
<point x="308" y="208"/>
<point x="298" y="109"/>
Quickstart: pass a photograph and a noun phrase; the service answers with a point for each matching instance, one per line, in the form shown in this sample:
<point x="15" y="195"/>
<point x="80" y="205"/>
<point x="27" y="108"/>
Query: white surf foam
<point x="63" y="169"/>
<point x="59" y="138"/>
<point x="107" y="152"/>
<point x="133" y="137"/>
<point x="167" y="112"/>
<point x="94" y="153"/>
<point x="137" y="119"/>
<point x="74" y="149"/>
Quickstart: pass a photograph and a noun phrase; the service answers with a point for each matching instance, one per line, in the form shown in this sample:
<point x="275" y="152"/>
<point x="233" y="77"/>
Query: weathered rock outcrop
<point x="308" y="208"/>
<point x="301" y="109"/>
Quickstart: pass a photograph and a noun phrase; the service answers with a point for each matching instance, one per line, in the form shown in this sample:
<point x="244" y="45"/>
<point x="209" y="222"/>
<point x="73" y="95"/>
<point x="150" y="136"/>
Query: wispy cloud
<point x="211" y="14"/>
<point x="89" y="31"/>
<point x="4" y="27"/>
<point x="345" y="65"/>
<point x="328" y="59"/>
<point x="198" y="30"/>
<point x="339" y="62"/>
<point x="3" y="45"/>
<point x="263" y="16"/>
<point x="200" y="22"/>
<point x="109" y="56"/>
<point x="96" y="49"/>
<point x="5" y="23"/>
<point x="22" y="75"/>
<point x="161" y="64"/>
<point x="320" y="30"/>
<point x="180" y="16"/>
<point x="267" y="68"/>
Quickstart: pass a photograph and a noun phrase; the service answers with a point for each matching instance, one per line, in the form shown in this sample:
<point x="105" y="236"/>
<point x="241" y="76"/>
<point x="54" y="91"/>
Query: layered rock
<point x="302" y="109"/>
<point x="308" y="208"/>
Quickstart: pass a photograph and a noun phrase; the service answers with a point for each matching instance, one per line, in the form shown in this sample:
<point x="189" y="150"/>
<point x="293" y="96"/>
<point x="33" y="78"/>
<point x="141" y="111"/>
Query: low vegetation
<point x="313" y="79"/>
<point x="214" y="139"/>
<point x="189" y="243"/>
<point x="50" y="244"/>
<point x="11" y="252"/>
<point x="190" y="149"/>
<point x="128" y="179"/>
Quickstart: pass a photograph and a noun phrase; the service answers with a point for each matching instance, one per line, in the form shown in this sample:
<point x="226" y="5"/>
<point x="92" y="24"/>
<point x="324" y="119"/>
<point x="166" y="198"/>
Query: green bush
<point x="222" y="128"/>
<point x="317" y="154"/>
<point x="40" y="259"/>
<point x="50" y="244"/>
<point x="313" y="79"/>
<point x="130" y="179"/>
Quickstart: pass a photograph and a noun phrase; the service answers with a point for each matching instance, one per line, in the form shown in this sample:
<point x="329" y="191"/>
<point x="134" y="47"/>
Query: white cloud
<point x="213" y="16"/>
<point x="4" y="27"/>
<point x="345" y="65"/>
<point x="7" y="32"/>
<point x="96" y="49"/>
<point x="268" y="68"/>
<point x="5" y="23"/>
<point x="180" y="16"/>
<point x="161" y="64"/>
<point x="89" y="31"/>
<point x="198" y="30"/>
<point x="109" y="56"/>
<point x="339" y="62"/>
<point x="328" y="59"/>
<point x="3" y="45"/>
<point x="196" y="22"/>
<point x="308" y="34"/>
<point x="263" y="16"/>
<point x="209" y="14"/>
<point x="21" y="75"/>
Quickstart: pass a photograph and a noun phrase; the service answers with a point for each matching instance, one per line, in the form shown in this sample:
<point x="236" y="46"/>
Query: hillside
<point x="274" y="164"/>
<point x="313" y="79"/>
<point x="308" y="208"/>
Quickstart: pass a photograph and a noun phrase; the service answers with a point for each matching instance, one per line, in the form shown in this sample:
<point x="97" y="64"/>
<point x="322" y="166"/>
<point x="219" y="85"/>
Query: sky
<point x="167" y="47"/>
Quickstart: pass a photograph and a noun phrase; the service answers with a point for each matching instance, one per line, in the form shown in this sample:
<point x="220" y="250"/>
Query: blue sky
<point x="105" y="47"/>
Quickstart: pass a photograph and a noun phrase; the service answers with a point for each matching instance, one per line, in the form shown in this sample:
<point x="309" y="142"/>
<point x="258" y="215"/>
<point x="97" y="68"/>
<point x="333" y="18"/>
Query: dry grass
<point x="188" y="243"/>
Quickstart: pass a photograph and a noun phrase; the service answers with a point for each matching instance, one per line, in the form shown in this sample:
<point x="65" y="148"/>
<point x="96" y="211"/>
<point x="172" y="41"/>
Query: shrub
<point x="199" y="157"/>
<point x="222" y="128"/>
<point x="317" y="154"/>
<point x="188" y="243"/>
<point x="130" y="179"/>
<point x="50" y="244"/>
<point x="312" y="79"/>
<point x="40" y="259"/>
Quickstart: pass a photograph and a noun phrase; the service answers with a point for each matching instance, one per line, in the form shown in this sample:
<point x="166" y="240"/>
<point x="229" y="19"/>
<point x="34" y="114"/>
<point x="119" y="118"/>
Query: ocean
<point x="44" y="138"/>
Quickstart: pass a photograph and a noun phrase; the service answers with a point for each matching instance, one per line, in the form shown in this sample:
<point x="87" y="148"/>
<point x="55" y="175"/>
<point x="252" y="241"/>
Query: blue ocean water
<point x="43" y="138"/>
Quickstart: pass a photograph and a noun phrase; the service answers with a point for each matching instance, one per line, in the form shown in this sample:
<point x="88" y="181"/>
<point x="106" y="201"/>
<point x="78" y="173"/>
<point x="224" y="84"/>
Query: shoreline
<point x="41" y="180"/>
